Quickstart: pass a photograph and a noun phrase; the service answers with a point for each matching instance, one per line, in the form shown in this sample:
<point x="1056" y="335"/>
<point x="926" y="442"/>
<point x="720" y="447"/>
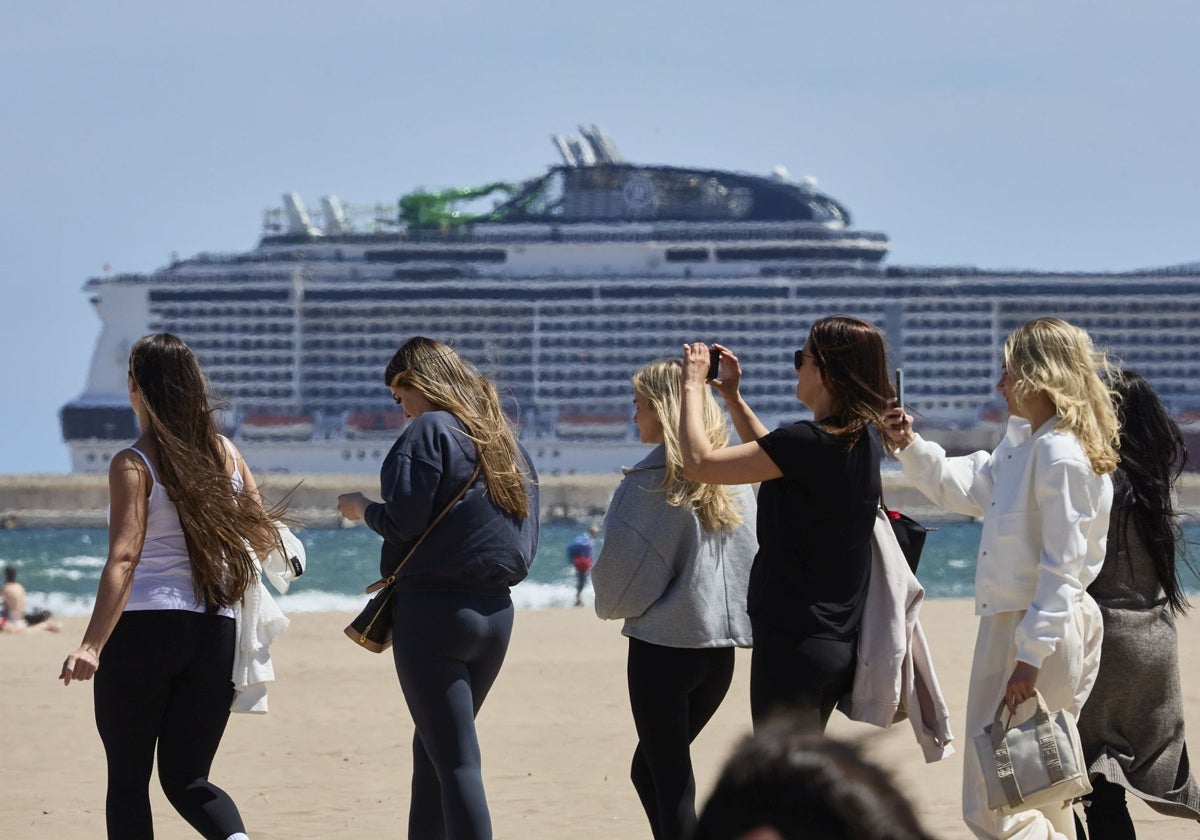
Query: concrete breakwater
<point x="80" y="500"/>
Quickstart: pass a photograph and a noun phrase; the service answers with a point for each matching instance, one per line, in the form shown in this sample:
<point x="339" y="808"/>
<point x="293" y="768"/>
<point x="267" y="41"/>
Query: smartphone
<point x="900" y="387"/>
<point x="714" y="364"/>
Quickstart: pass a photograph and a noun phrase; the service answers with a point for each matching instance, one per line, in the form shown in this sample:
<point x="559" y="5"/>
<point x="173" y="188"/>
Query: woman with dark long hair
<point x="816" y="509"/>
<point x="184" y="511"/>
<point x="453" y="611"/>
<point x="1140" y="594"/>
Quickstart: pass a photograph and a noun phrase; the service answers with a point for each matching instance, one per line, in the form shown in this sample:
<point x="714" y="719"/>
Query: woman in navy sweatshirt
<point x="453" y="612"/>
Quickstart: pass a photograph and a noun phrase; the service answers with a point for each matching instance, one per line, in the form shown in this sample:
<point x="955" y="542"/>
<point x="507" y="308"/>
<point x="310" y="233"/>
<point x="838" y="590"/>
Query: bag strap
<point x="390" y="579"/>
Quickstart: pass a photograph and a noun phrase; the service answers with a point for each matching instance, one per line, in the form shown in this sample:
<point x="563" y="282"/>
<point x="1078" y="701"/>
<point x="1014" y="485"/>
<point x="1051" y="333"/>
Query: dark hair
<point x="851" y="356"/>
<point x="807" y="787"/>
<point x="10" y="574"/>
<point x="216" y="522"/>
<point x="1153" y="454"/>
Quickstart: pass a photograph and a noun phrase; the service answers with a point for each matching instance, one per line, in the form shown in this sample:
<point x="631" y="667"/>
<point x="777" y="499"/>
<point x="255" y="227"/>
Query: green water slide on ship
<point x="439" y="209"/>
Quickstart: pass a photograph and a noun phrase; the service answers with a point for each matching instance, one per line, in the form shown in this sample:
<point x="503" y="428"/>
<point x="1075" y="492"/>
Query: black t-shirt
<point x="814" y="532"/>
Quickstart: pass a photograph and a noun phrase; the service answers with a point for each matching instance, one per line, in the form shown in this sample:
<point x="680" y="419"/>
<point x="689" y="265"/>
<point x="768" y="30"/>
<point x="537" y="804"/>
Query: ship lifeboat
<point x="276" y="427"/>
<point x="374" y="424"/>
<point x="593" y="426"/>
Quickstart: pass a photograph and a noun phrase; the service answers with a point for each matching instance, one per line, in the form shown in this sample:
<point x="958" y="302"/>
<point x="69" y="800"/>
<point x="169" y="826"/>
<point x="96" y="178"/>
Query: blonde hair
<point x="1051" y="356"/>
<point x="451" y="383"/>
<point x="714" y="505"/>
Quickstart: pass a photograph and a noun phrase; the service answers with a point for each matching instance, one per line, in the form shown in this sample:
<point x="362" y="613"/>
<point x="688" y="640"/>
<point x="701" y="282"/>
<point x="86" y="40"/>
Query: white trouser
<point x="1065" y="680"/>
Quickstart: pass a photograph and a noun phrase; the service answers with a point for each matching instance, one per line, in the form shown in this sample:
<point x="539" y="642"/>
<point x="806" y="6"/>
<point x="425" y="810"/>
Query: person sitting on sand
<point x="15" y="618"/>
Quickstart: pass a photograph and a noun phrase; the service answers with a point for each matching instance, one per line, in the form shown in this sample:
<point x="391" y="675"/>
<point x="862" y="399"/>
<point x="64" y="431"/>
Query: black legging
<point x="1107" y="814"/>
<point x="448" y="649"/>
<point x="803" y="676"/>
<point x="165" y="682"/>
<point x="673" y="692"/>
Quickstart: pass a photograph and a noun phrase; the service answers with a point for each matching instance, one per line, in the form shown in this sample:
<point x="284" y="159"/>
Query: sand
<point x="331" y="759"/>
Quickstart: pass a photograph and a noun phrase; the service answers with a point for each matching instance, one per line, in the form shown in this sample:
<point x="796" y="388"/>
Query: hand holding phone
<point x="899" y="388"/>
<point x="714" y="365"/>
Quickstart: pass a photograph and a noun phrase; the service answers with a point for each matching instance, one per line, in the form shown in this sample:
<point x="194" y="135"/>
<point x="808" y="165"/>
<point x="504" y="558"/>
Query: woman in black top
<point x="816" y="509"/>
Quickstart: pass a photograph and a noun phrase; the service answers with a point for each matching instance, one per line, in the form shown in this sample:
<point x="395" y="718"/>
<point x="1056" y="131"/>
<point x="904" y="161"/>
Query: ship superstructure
<point x="563" y="289"/>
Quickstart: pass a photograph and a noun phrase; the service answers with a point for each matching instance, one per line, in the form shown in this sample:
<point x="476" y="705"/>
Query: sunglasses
<point x="799" y="359"/>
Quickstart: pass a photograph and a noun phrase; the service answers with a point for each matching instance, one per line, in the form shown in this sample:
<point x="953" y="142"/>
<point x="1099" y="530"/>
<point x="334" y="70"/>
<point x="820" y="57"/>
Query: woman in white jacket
<point x="1044" y="495"/>
<point x="675" y="564"/>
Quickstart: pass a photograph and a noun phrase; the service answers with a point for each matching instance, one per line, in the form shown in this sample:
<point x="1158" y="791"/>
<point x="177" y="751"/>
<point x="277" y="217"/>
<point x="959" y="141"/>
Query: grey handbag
<point x="1036" y="763"/>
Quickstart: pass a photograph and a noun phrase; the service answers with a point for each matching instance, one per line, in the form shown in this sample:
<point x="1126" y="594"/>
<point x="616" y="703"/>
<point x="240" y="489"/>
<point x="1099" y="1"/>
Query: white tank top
<point x="162" y="579"/>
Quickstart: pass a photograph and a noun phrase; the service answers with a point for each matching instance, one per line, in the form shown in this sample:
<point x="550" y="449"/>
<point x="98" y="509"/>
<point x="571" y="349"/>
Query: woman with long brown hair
<point x="183" y="512"/>
<point x="453" y="611"/>
<point x="816" y="509"/>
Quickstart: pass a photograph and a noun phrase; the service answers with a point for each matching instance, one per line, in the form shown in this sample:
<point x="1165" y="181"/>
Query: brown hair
<point x="451" y="383"/>
<point x="851" y="356"/>
<point x="217" y="522"/>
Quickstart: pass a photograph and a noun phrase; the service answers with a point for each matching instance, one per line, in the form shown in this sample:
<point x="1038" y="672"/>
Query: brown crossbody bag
<point x="372" y="628"/>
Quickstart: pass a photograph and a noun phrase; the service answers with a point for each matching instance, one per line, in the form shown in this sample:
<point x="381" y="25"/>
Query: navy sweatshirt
<point x="477" y="546"/>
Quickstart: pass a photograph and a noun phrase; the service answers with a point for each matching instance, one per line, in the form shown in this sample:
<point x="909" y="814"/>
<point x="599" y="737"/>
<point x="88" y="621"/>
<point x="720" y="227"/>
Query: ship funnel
<point x="297" y="215"/>
<point x="564" y="149"/>
<point x="581" y="151"/>
<point x="333" y="215"/>
<point x="603" y="147"/>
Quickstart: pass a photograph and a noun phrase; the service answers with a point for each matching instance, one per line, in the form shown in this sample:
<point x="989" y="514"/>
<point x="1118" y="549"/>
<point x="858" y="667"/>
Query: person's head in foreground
<point x="1052" y="369"/>
<point x="784" y="784"/>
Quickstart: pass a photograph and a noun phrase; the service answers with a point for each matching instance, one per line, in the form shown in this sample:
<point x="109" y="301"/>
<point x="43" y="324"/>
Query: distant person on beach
<point x="15" y="618"/>
<point x="816" y="509"/>
<point x="1140" y="593"/>
<point x="453" y="610"/>
<point x="184" y="510"/>
<point x="1044" y="496"/>
<point x="786" y="783"/>
<point x="675" y="564"/>
<point x="581" y="553"/>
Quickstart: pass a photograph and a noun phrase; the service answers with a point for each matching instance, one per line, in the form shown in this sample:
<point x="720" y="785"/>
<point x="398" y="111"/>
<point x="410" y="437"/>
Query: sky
<point x="1056" y="136"/>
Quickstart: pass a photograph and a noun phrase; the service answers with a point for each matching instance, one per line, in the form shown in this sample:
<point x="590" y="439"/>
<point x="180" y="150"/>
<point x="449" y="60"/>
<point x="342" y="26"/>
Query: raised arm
<point x="743" y="464"/>
<point x="129" y="485"/>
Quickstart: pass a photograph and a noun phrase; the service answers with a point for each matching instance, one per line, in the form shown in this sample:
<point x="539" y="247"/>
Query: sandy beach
<point x="331" y="759"/>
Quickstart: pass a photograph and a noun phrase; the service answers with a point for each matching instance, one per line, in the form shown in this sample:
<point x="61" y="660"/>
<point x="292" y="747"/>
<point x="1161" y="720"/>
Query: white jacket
<point x="259" y="621"/>
<point x="1045" y="523"/>
<point x="894" y="676"/>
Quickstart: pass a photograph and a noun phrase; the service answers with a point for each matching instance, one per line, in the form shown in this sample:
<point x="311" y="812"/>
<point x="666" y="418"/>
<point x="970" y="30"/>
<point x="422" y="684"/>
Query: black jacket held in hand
<point x="477" y="546"/>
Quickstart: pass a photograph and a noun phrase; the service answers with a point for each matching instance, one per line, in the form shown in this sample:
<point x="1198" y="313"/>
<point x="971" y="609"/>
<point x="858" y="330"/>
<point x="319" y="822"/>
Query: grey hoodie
<point x="675" y="584"/>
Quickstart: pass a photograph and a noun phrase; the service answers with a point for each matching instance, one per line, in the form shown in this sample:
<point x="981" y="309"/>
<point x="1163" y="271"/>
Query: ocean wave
<point x="68" y="574"/>
<point x="528" y="596"/>
<point x="84" y="561"/>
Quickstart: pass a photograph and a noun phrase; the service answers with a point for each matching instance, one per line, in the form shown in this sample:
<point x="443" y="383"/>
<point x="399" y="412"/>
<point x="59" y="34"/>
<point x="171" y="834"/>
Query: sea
<point x="60" y="567"/>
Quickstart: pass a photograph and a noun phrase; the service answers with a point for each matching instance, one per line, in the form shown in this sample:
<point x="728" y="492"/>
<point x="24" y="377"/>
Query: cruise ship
<point x="561" y="286"/>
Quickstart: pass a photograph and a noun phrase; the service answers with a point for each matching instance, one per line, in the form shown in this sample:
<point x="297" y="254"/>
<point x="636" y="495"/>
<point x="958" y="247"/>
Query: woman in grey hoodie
<point x="674" y="565"/>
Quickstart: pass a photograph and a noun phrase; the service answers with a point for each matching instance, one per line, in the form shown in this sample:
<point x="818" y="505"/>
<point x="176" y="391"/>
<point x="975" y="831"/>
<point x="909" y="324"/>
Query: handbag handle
<point x="390" y="579"/>
<point x="1051" y="759"/>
